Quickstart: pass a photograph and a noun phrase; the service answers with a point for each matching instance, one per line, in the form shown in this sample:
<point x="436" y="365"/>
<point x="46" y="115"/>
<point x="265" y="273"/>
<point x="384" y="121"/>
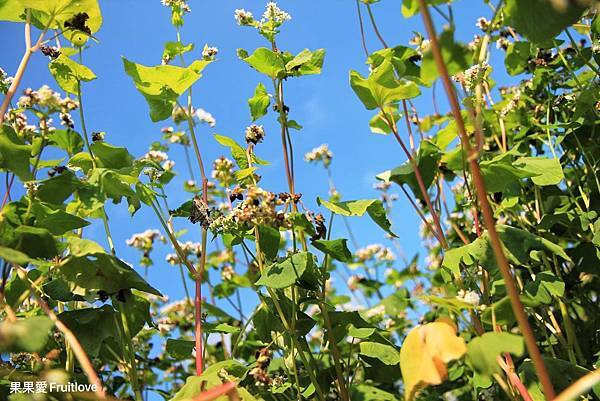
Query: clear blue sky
<point x="325" y="105"/>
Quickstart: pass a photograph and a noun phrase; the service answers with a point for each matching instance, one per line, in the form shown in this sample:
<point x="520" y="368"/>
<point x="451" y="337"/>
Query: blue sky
<point x="325" y="105"/>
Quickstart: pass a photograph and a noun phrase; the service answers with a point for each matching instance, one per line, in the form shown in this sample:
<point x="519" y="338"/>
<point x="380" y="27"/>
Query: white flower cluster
<point x="188" y="248"/>
<point x="511" y="105"/>
<point x="46" y="97"/>
<point x="421" y="44"/>
<point x="320" y="154"/>
<point x="205" y="117"/>
<point x="5" y="81"/>
<point x="144" y="240"/>
<point x="470" y="297"/>
<point x="375" y="252"/>
<point x="223" y="171"/>
<point x="472" y="76"/>
<point x="175" y="137"/>
<point x="275" y="14"/>
<point x="179" y="4"/>
<point x="209" y="52"/>
<point x="243" y="17"/>
<point x="159" y="156"/>
<point x="483" y="23"/>
<point x="255" y="134"/>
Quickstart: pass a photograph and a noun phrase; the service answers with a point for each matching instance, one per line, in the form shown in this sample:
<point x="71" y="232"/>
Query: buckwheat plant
<point x="502" y="173"/>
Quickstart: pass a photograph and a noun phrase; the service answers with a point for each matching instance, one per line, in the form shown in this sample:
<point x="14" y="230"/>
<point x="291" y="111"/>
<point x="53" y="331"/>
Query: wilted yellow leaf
<point x="426" y="351"/>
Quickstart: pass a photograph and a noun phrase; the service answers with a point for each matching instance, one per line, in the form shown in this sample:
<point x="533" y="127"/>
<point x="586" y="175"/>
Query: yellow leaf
<point x="426" y="351"/>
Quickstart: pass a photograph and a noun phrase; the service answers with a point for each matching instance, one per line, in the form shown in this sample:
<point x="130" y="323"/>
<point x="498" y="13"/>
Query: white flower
<point x="275" y="14"/>
<point x="319" y="154"/>
<point x="470" y="297"/>
<point x="209" y="52"/>
<point x="156" y="156"/>
<point x="243" y="17"/>
<point x="206" y="117"/>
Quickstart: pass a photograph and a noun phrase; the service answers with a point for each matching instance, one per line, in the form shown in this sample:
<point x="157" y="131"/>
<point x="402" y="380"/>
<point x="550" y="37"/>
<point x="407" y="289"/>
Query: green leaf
<point x="36" y="242"/>
<point x="545" y="288"/>
<point x="269" y="239"/>
<point x="411" y="7"/>
<point x="457" y="57"/>
<point x="67" y="140"/>
<point x="57" y="221"/>
<point x="259" y="103"/>
<point x="14" y="154"/>
<point x="525" y="17"/>
<point x="500" y="172"/>
<point x="25" y="335"/>
<point x="99" y="271"/>
<point x="385" y="353"/>
<point x="374" y="208"/>
<point x="162" y="85"/>
<point x="364" y="392"/>
<point x="562" y="375"/>
<point x="545" y="171"/>
<point x="14" y="256"/>
<point x="174" y="49"/>
<point x="266" y="62"/>
<point x="482" y="351"/>
<point x="337" y="249"/>
<point x="306" y="63"/>
<point x="111" y="156"/>
<point x="517" y="57"/>
<point x="57" y="189"/>
<point x="287" y="272"/>
<point x="381" y="88"/>
<point x="180" y="349"/>
<point x="63" y="10"/>
<point x="428" y="160"/>
<point x="68" y="73"/>
<point x="238" y="152"/>
<point x="92" y="326"/>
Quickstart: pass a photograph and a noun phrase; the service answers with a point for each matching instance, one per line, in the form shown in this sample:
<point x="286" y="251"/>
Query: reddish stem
<point x="511" y="288"/>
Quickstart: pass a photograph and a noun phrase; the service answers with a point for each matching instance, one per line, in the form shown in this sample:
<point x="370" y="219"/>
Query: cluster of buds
<point x="175" y="314"/>
<point x="180" y="115"/>
<point x="472" y="76"/>
<point x="19" y="123"/>
<point x="190" y="250"/>
<point x="511" y="105"/>
<point x="243" y="17"/>
<point x="275" y="14"/>
<point x="483" y="23"/>
<point x="223" y="171"/>
<point x="256" y="207"/>
<point x="470" y="297"/>
<point x="98" y="136"/>
<point x="177" y="5"/>
<point x="320" y="154"/>
<point x="209" y="52"/>
<point x="421" y="44"/>
<point x="173" y="136"/>
<point x="376" y="252"/>
<point x="260" y="371"/>
<point x="254" y="134"/>
<point x="52" y="102"/>
<point x="272" y="18"/>
<point x="227" y="273"/>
